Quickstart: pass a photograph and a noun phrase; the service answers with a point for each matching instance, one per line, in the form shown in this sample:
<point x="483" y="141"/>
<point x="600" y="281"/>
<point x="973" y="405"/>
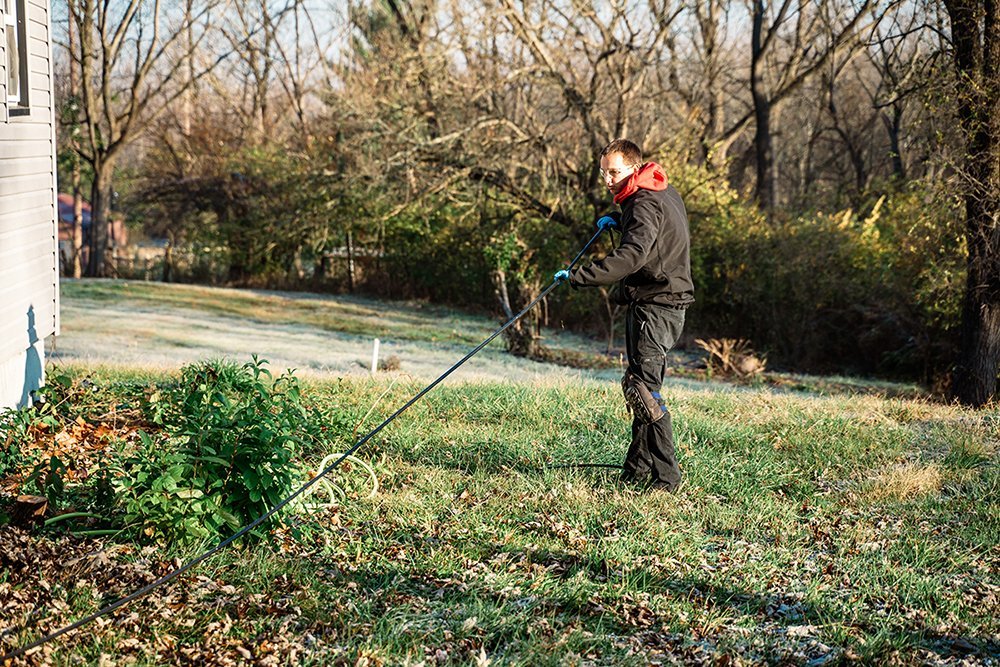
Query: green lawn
<point x="821" y="520"/>
<point x="810" y="529"/>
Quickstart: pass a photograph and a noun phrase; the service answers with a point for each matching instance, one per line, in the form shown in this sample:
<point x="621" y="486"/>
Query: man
<point x="652" y="266"/>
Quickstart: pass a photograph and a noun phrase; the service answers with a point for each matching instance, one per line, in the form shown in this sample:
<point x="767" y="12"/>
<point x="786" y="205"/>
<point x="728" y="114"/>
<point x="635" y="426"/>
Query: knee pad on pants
<point x="640" y="400"/>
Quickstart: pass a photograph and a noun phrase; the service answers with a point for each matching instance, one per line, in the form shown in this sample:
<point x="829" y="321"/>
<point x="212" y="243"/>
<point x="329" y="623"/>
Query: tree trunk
<point x="322" y="268"/>
<point x="187" y="106"/>
<point x="762" y="140"/>
<point x="612" y="310"/>
<point x="29" y="510"/>
<point x="239" y="251"/>
<point x="168" y="260"/>
<point x="100" y="216"/>
<point x="975" y="378"/>
<point x="854" y="152"/>
<point x="894" y="128"/>
<point x="764" y="153"/>
<point x="77" y="220"/>
<point x="719" y="152"/>
<point x="975" y="29"/>
<point x="350" y="262"/>
<point x="76" y="237"/>
<point x="521" y="337"/>
<point x="713" y="149"/>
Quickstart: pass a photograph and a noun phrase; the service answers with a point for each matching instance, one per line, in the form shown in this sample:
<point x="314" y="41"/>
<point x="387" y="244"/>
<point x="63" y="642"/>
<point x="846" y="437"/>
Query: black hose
<point x="170" y="576"/>
<point x="560" y="466"/>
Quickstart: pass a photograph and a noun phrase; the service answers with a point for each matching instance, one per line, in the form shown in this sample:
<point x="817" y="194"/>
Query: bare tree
<point x="304" y="67"/>
<point x="265" y="40"/>
<point x="789" y="43"/>
<point x="127" y="56"/>
<point x="710" y="17"/>
<point x="875" y="125"/>
<point x="900" y="57"/>
<point x="524" y="96"/>
<point x="857" y="145"/>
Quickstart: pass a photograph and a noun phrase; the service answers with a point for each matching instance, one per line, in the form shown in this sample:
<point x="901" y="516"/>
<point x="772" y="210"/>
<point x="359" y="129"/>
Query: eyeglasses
<point x="615" y="173"/>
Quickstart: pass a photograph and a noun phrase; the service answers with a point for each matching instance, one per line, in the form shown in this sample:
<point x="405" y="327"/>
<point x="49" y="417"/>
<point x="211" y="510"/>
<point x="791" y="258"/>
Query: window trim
<point x="14" y="18"/>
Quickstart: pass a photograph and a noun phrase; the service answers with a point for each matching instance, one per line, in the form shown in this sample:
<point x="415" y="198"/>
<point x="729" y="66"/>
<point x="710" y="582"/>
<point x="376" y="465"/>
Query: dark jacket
<point x="653" y="261"/>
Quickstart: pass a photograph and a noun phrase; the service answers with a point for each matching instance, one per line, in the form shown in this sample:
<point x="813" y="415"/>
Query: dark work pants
<point x="650" y="332"/>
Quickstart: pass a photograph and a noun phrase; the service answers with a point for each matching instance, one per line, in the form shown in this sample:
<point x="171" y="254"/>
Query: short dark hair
<point x="630" y="152"/>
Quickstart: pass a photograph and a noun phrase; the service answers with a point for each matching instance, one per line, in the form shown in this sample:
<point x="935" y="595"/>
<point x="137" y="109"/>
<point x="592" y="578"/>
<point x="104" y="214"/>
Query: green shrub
<point x="877" y="291"/>
<point x="430" y="254"/>
<point x="224" y="456"/>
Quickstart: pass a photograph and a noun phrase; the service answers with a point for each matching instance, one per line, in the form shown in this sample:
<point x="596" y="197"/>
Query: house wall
<point x="29" y="270"/>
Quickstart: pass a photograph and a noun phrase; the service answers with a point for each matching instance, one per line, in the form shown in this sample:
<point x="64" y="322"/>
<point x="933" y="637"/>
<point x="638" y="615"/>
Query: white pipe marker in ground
<point x="375" y="356"/>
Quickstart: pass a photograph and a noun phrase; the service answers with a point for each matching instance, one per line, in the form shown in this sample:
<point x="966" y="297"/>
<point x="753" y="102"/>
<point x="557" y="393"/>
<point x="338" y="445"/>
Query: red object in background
<point x="116" y="227"/>
<point x="117" y="236"/>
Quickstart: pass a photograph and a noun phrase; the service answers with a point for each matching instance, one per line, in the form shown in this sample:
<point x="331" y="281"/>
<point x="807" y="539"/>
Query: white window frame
<point x="13" y="25"/>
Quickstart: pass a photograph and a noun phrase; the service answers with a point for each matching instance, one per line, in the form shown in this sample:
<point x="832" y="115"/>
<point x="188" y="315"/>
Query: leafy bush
<point x="877" y="291"/>
<point x="436" y="254"/>
<point x="224" y="456"/>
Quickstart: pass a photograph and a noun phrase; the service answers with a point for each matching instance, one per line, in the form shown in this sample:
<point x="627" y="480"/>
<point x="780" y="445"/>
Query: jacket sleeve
<point x="630" y="256"/>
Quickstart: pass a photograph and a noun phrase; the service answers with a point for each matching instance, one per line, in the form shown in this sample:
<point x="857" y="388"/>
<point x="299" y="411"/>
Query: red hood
<point x="649" y="177"/>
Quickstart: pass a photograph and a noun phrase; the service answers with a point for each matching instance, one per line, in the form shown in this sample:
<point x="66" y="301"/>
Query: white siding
<point x="22" y="149"/>
<point x="29" y="280"/>
<point x="3" y="78"/>
<point x="26" y="175"/>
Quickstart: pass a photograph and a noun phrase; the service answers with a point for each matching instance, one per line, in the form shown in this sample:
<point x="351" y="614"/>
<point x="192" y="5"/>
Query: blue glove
<point x="561" y="275"/>
<point x="606" y="222"/>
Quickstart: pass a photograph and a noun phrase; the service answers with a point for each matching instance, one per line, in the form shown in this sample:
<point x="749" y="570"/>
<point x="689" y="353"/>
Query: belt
<point x="671" y="306"/>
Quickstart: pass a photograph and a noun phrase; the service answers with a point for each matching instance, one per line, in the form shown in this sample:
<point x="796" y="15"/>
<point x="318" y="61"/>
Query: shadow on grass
<point x="528" y="600"/>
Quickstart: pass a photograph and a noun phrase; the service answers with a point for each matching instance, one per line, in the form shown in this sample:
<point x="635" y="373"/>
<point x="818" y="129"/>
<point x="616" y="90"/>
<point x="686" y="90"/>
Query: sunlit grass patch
<point x="973" y="446"/>
<point x="903" y="482"/>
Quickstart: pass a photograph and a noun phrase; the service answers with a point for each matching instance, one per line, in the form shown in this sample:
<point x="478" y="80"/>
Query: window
<point x="16" y="52"/>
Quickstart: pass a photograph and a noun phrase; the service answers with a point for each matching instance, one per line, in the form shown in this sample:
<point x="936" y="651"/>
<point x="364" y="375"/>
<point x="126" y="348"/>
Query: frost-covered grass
<point x="155" y="325"/>
<point x="344" y="314"/>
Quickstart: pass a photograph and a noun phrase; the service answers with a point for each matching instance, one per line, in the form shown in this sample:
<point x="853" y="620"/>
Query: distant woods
<point x="839" y="159"/>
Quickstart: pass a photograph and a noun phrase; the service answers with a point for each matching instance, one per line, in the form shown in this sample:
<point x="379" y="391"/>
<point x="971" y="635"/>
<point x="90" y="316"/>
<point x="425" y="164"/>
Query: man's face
<point x="615" y="172"/>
